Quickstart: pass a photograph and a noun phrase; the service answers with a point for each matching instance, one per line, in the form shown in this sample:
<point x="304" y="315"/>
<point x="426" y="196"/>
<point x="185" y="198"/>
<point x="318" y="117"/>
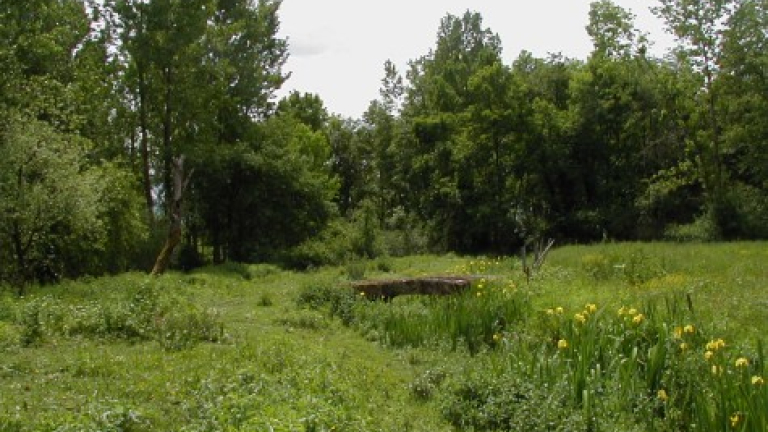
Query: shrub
<point x="236" y="268"/>
<point x="356" y="270"/>
<point x="308" y="320"/>
<point x="330" y="247"/>
<point x="339" y="302"/>
<point x="703" y="229"/>
<point x="265" y="300"/>
<point x="598" y="267"/>
<point x="426" y="386"/>
<point x="189" y="257"/>
<point x="181" y="329"/>
<point x="148" y="314"/>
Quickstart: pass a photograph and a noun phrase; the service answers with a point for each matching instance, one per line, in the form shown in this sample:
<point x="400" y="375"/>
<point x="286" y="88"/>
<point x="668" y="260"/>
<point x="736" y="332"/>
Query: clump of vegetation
<point x="471" y="320"/>
<point x="149" y="313"/>
<point x="595" y="366"/>
<point x="338" y="301"/>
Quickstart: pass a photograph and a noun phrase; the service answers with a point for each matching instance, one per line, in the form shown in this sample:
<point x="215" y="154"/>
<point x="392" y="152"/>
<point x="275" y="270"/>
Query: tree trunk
<point x="180" y="182"/>
<point x="144" y="145"/>
<point x="168" y="161"/>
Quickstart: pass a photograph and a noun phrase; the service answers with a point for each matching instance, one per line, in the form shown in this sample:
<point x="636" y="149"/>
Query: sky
<point x="338" y="47"/>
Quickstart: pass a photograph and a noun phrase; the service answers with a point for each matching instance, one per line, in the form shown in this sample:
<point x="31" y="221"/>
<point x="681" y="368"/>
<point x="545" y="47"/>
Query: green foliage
<point x="292" y="366"/>
<point x="49" y="201"/>
<point x="285" y="156"/>
<point x="510" y="402"/>
<point x="703" y="229"/>
<point x="330" y="247"/>
<point x="471" y="321"/>
<point x="356" y="270"/>
<point x="147" y="314"/>
<point x="597" y="366"/>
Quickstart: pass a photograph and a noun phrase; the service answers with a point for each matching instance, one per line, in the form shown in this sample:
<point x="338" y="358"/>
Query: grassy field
<point x="630" y="337"/>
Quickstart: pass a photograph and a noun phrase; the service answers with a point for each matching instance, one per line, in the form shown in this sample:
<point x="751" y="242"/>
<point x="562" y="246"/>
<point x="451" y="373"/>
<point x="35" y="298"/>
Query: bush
<point x="330" y="247"/>
<point x="181" y="329"/>
<point x="598" y="267"/>
<point x="366" y="237"/>
<point x="703" y="229"/>
<point x="148" y="314"/>
<point x="189" y="258"/>
<point x="356" y="270"/>
<point x="510" y="402"/>
<point x="236" y="268"/>
<point x="338" y="301"/>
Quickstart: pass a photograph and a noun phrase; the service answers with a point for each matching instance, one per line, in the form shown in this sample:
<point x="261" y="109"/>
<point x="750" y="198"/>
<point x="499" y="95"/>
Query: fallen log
<point x="387" y="289"/>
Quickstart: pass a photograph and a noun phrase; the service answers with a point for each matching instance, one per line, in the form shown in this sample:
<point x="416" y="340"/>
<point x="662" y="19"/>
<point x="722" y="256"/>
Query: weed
<point x="265" y="300"/>
<point x="356" y="270"/>
<point x="308" y="320"/>
<point x="426" y="386"/>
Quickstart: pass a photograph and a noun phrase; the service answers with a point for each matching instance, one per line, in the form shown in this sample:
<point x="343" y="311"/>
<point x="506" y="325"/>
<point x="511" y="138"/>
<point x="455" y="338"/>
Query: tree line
<point x="462" y="152"/>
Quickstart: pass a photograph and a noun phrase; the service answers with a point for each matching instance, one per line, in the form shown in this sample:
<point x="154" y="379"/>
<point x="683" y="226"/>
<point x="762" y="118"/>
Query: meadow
<point x="609" y="337"/>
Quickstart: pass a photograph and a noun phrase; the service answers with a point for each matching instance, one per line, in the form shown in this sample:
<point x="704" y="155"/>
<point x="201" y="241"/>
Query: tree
<point x="436" y="107"/>
<point x="612" y="30"/>
<point x="743" y="87"/>
<point x="47" y="198"/>
<point x="266" y="194"/>
<point x="65" y="210"/>
<point x="307" y="108"/>
<point x="698" y="26"/>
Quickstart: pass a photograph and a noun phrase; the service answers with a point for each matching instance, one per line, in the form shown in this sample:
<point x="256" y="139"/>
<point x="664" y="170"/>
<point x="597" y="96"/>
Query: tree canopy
<point x="461" y="152"/>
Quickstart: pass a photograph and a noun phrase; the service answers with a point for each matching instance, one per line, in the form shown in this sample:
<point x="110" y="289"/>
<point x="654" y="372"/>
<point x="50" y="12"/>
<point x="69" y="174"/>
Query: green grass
<point x="251" y="347"/>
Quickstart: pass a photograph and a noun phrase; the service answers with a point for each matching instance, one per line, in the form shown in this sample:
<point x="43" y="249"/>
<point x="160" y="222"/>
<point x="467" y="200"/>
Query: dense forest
<point x="101" y="101"/>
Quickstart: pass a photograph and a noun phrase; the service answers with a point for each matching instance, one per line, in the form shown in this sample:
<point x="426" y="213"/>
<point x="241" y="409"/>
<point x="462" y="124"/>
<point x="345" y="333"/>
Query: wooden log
<point x="389" y="288"/>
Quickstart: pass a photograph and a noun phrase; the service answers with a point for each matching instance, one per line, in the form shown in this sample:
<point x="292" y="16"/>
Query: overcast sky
<point x="338" y="47"/>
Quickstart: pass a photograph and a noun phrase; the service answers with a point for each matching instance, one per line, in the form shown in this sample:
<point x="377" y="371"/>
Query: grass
<point x="252" y="347"/>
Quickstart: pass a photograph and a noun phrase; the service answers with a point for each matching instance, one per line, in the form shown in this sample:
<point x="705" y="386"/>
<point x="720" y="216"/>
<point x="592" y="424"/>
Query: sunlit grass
<point x="630" y="337"/>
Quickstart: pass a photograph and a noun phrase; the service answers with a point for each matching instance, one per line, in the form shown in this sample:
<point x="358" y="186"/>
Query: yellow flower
<point x="632" y="311"/>
<point x="622" y="311"/>
<point x="708" y="355"/>
<point x="559" y="310"/>
<point x="689" y="329"/>
<point x="662" y="394"/>
<point x="550" y="311"/>
<point x="591" y="308"/>
<point x="735" y="418"/>
<point x="479" y="293"/>
<point x="497" y="337"/>
<point x="717" y="370"/>
<point x="742" y="362"/>
<point x="678" y="332"/>
<point x="638" y="318"/>
<point x="562" y="344"/>
<point x="580" y="318"/>
<point x="683" y="346"/>
<point x="757" y="380"/>
<point x="715" y="345"/>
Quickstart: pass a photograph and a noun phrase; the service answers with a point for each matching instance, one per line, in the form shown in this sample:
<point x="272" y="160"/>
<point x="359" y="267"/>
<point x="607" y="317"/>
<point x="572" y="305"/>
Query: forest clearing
<point x="631" y="337"/>
<point x="312" y="271"/>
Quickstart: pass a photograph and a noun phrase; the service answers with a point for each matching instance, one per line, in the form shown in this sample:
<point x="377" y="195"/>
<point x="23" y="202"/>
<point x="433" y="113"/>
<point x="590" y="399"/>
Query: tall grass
<point x="473" y="320"/>
<point x="652" y="365"/>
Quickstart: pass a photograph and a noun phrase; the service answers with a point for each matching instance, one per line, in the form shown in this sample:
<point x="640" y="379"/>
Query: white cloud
<point x="338" y="47"/>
